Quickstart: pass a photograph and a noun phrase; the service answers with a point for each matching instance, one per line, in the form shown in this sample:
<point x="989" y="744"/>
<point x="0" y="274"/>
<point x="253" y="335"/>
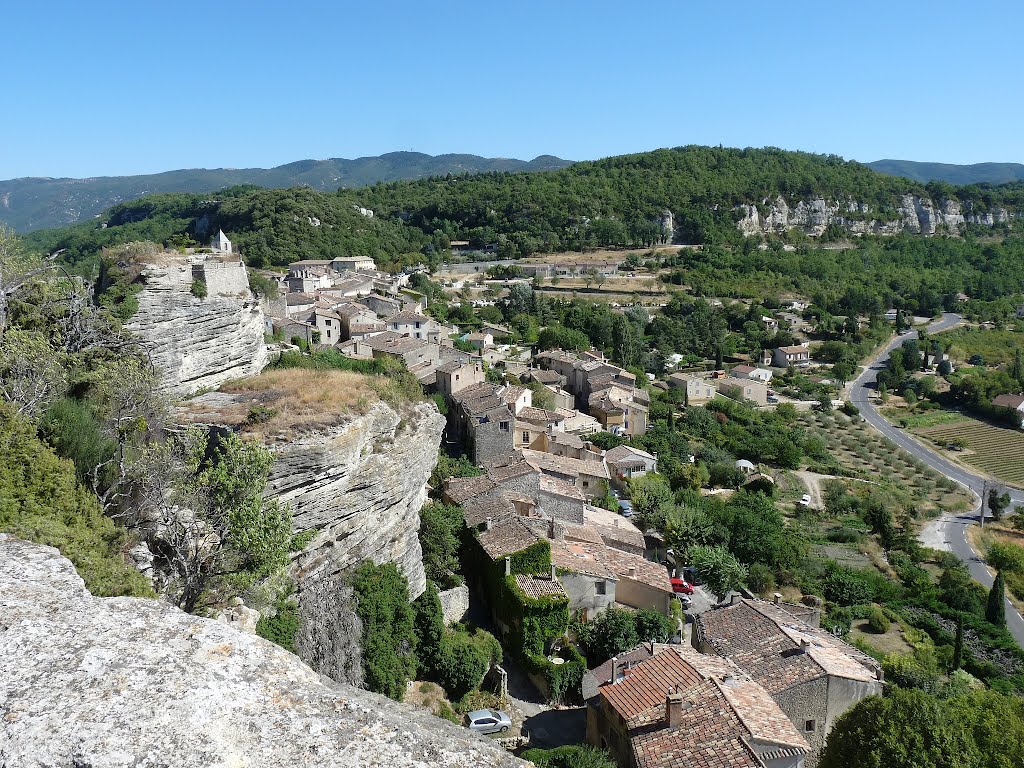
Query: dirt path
<point x="813" y="482"/>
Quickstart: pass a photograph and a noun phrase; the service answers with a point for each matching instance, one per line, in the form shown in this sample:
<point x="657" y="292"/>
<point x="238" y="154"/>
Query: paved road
<point x="953" y="527"/>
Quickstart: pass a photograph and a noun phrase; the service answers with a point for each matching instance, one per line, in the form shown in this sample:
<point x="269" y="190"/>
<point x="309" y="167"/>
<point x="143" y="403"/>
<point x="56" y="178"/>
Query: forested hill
<point x="979" y="173"/>
<point x="616" y="201"/>
<point x="37" y="203"/>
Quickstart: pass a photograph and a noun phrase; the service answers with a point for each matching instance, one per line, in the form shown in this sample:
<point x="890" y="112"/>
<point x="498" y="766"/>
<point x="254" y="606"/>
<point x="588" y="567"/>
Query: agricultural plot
<point x="859" y="452"/>
<point x="995" y="450"/>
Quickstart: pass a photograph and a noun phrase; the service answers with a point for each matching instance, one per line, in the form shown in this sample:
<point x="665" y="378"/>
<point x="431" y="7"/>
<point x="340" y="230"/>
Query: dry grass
<point x="887" y="642"/>
<point x="285" y="400"/>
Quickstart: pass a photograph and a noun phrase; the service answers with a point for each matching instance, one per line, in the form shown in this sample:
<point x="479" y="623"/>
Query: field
<point x="995" y="450"/>
<point x="995" y="347"/>
<point x="860" y="452"/>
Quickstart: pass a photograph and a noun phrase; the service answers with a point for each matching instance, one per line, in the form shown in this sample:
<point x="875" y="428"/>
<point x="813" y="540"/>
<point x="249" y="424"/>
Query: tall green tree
<point x="389" y="635"/>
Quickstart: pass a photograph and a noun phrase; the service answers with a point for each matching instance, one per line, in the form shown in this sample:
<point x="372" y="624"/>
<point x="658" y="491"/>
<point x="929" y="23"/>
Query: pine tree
<point x="1017" y="368"/>
<point x="995" y="612"/>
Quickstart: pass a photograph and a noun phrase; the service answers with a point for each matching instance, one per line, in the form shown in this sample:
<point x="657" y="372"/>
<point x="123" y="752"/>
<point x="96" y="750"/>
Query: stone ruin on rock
<point x="126" y="682"/>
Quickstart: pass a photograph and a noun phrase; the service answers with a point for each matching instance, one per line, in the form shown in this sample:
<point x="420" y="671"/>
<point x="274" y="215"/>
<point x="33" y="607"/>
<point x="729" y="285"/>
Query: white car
<point x="805" y="500"/>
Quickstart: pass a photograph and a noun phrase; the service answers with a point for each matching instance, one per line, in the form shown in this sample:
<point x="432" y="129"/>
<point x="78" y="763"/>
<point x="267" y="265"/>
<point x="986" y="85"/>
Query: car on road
<point x="691" y="576"/>
<point x="685" y="601"/>
<point x="681" y="586"/>
<point x="805" y="500"/>
<point x="488" y="721"/>
<point x="625" y="508"/>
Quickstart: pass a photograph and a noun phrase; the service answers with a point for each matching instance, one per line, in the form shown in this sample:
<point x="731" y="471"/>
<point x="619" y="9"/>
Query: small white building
<point x="220" y="242"/>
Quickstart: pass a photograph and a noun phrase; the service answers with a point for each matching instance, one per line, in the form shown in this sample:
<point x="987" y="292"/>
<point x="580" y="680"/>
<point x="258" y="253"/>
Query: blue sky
<point x="109" y="87"/>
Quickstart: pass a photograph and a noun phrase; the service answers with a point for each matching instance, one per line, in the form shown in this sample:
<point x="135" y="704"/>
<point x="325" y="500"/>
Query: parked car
<point x="488" y="721"/>
<point x="626" y="508"/>
<point x="805" y="500"/>
<point x="685" y="601"/>
<point x="681" y="586"/>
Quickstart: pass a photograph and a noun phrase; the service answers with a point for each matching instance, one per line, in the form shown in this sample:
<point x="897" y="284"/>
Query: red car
<point x="681" y="587"/>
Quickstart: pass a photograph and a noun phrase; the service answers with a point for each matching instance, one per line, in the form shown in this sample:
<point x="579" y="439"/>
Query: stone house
<point x="579" y="423"/>
<point x="353" y="263"/>
<point x="679" y="709"/>
<point x="534" y="425"/>
<point x="417" y="326"/>
<point x="697" y="389"/>
<point x="457" y="375"/>
<point x="330" y="326"/>
<point x="590" y="476"/>
<point x="811" y="674"/>
<point x="587" y="580"/>
<point x="750" y="372"/>
<point x="299" y="304"/>
<point x="625" y="462"/>
<point x="770" y="323"/>
<point x="742" y="389"/>
<point x="411" y="351"/>
<point x="798" y="356"/>
<point x="309" y="275"/>
<point x="479" y="340"/>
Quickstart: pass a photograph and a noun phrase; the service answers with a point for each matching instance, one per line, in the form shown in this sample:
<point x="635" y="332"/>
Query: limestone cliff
<point x="356" y="479"/>
<point x="913" y="214"/>
<point x="124" y="682"/>
<point x="198" y="343"/>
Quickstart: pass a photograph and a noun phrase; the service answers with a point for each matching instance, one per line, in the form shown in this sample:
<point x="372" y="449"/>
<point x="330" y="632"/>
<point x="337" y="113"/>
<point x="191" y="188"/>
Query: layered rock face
<point x="199" y="343"/>
<point x="916" y="215"/>
<point x="360" y="486"/>
<point x="125" y="682"/>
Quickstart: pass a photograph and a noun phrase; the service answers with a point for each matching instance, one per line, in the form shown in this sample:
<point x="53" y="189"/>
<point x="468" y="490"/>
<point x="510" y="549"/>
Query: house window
<point x="456" y="377"/>
<point x="503" y="426"/>
<point x="600" y="588"/>
<point x="526" y="437"/>
<point x="417" y="325"/>
<point x="809" y="726"/>
<point x="328" y="333"/>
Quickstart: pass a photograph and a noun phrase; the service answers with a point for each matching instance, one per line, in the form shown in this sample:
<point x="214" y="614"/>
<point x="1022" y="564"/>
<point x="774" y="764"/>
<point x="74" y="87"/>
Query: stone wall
<point x="808" y="701"/>
<point x="913" y="214"/>
<point x="125" y="682"/>
<point x="197" y="343"/>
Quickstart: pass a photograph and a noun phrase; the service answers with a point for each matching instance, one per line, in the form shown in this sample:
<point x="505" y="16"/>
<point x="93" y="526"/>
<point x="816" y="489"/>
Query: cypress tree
<point x="995" y="612"/>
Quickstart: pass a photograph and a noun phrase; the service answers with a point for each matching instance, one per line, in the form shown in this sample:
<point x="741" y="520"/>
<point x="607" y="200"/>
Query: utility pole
<point x="984" y="501"/>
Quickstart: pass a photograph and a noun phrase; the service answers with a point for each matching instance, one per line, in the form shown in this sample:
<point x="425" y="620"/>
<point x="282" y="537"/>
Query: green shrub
<point x="573" y="756"/>
<point x="878" y="621"/>
<point x="41" y="501"/>
<point x="282" y="627"/>
<point x="199" y="289"/>
<point x="760" y="578"/>
<point x="389" y="639"/>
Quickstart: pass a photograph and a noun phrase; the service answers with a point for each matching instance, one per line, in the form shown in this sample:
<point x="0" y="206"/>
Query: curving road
<point x="953" y="528"/>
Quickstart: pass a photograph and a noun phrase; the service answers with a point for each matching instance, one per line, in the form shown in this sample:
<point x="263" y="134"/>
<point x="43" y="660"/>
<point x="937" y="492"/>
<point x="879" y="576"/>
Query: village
<point x="750" y="681"/>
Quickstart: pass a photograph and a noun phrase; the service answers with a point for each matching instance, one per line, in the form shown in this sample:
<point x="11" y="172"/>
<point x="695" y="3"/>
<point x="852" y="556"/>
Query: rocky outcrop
<point x="360" y="485"/>
<point x="913" y="214"/>
<point x="199" y="343"/>
<point x="125" y="682"/>
<point x="356" y="481"/>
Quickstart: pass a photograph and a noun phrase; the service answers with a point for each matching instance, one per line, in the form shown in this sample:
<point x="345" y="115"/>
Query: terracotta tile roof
<point x="494" y="506"/>
<point x="728" y="720"/>
<point x="627" y="456"/>
<point x="557" y="487"/>
<point x="585" y="533"/>
<point x="462" y="489"/>
<point x="765" y="641"/>
<point x="1008" y="401"/>
<point x="536" y="587"/>
<point x="634" y="567"/>
<point x="507" y="537"/>
<point x="565" y="465"/>
<point x="602" y="673"/>
<point x="545" y="376"/>
<point x="646" y="685"/>
<point x="529" y="413"/>
<point x="581" y="558"/>
<point x="405" y="317"/>
<point x="565" y="438"/>
<point x="516" y="467"/>
<point x="511" y="394"/>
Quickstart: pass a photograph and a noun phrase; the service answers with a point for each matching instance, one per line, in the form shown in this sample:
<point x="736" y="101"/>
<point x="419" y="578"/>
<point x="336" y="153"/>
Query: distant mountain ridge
<point x="32" y="203"/>
<point x="979" y="173"/>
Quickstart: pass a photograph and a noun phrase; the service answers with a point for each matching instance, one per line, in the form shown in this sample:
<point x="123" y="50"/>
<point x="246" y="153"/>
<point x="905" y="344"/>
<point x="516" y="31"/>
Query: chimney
<point x="674" y="709"/>
<point x="879" y="675"/>
<point x="551" y="529"/>
<point x="733" y="597"/>
<point x="778" y="598"/>
<point x="631" y="571"/>
<point x="487" y="523"/>
<point x="615" y="670"/>
<point x="804" y="645"/>
<point x="508" y="566"/>
<point x="554" y="574"/>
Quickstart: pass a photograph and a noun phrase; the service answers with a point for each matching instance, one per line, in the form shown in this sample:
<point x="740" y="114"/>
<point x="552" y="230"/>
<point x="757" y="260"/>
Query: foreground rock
<point x="114" y="682"/>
